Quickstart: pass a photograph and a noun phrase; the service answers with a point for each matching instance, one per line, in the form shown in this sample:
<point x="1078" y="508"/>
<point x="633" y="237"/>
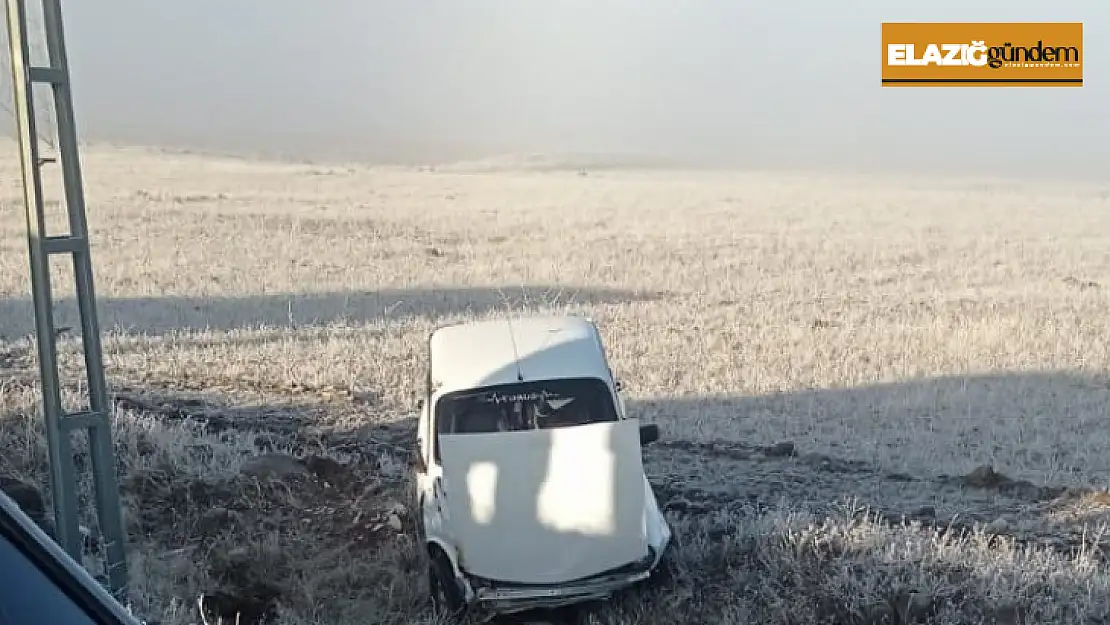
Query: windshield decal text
<point x="504" y="398"/>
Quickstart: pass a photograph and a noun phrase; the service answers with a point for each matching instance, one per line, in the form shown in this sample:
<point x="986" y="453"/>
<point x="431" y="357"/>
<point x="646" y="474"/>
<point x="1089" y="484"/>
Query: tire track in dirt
<point x="692" y="478"/>
<point x="701" y="478"/>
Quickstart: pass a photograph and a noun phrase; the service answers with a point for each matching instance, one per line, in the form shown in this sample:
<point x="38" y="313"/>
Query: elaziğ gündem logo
<point x="982" y="54"/>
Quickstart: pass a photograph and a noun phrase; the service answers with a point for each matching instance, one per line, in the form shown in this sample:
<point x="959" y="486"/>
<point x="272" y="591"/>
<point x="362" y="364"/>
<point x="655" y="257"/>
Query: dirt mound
<point x="986" y="477"/>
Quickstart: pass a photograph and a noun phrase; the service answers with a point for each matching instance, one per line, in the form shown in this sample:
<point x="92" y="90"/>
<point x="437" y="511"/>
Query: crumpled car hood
<point x="546" y="506"/>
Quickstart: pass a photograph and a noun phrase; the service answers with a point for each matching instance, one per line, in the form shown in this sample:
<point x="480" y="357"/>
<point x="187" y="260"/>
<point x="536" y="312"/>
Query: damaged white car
<point x="530" y="484"/>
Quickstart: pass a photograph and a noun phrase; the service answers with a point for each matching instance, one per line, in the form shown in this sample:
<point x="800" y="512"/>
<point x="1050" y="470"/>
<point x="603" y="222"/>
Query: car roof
<point x="509" y="350"/>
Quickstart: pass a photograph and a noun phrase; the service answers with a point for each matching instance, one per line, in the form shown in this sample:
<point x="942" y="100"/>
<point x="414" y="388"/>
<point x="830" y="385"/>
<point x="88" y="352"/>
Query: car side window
<point x="28" y="595"/>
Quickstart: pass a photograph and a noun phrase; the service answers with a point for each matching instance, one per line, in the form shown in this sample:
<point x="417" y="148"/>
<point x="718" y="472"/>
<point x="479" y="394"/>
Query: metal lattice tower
<point x="96" y="421"/>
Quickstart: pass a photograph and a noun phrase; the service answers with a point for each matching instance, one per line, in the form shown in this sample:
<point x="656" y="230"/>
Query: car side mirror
<point x="420" y="404"/>
<point x="618" y="385"/>
<point x="417" y="463"/>
<point x="649" y="433"/>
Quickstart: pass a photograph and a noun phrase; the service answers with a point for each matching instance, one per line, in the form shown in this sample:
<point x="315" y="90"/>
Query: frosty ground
<point x="881" y="399"/>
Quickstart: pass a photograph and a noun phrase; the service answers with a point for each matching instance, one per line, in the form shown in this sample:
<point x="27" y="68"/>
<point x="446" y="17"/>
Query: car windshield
<point x="525" y="406"/>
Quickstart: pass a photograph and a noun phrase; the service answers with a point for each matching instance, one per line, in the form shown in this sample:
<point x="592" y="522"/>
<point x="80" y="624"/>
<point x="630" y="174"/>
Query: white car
<point x="530" y="484"/>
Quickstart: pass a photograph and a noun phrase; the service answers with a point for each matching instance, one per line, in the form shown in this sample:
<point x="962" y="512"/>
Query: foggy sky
<point x="732" y="82"/>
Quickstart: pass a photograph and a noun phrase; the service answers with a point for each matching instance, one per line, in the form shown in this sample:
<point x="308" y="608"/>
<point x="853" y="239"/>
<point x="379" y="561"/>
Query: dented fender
<point x="455" y="558"/>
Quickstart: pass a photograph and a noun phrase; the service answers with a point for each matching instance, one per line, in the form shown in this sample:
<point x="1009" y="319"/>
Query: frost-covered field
<point x="833" y="361"/>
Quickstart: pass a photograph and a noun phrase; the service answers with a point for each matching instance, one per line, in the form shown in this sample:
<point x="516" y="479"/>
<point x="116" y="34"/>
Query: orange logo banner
<point x="991" y="54"/>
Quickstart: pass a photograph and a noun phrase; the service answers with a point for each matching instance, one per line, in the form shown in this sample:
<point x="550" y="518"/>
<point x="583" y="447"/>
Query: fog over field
<point x="763" y="84"/>
<point x="882" y="389"/>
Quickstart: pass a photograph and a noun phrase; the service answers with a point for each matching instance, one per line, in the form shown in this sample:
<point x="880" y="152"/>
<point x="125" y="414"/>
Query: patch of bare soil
<point x="255" y="530"/>
<point x="308" y="497"/>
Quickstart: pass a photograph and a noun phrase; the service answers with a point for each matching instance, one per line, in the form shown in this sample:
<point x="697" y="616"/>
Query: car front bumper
<point x="505" y="598"/>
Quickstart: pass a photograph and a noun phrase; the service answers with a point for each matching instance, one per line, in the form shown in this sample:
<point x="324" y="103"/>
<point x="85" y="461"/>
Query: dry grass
<point x="899" y="332"/>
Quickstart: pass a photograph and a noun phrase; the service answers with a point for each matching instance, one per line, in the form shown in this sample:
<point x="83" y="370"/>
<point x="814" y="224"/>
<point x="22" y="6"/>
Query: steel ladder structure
<point x="96" y="421"/>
